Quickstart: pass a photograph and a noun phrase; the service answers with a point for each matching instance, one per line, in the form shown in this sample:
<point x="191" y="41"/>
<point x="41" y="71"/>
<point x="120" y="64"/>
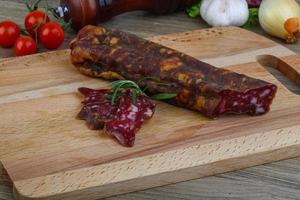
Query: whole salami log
<point x="112" y="54"/>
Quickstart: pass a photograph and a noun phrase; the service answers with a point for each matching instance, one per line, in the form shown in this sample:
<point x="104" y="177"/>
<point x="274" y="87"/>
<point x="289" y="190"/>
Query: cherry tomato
<point x="51" y="35"/>
<point x="25" y="45"/>
<point x="34" y="19"/>
<point x="9" y="32"/>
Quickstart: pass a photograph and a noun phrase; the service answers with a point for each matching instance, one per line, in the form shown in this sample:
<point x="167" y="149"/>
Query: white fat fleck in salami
<point x="133" y="111"/>
<point x="148" y="113"/>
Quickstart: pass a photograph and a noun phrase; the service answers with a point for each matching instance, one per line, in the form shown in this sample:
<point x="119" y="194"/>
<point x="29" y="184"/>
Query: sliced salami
<point x="129" y="118"/>
<point x="122" y="119"/>
<point x="97" y="108"/>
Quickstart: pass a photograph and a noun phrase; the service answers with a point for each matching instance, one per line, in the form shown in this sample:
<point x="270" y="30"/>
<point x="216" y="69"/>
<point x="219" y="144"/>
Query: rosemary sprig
<point x="118" y="87"/>
<point x="164" y="96"/>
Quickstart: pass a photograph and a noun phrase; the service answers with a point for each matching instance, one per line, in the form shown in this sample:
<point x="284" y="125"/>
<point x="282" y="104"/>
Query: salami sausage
<point x="112" y="54"/>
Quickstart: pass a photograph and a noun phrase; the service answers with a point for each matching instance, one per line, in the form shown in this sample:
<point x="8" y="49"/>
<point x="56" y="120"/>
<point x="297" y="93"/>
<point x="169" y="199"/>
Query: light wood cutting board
<point x="48" y="154"/>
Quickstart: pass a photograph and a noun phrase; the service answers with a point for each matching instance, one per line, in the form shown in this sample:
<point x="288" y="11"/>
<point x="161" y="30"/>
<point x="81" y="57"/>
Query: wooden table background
<point x="280" y="180"/>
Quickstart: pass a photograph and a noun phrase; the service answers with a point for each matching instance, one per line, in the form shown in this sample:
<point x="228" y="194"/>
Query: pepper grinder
<point x="84" y="12"/>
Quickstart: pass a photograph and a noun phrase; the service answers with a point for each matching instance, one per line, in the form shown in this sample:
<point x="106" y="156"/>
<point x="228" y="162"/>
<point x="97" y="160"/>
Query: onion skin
<point x="280" y="18"/>
<point x="292" y="26"/>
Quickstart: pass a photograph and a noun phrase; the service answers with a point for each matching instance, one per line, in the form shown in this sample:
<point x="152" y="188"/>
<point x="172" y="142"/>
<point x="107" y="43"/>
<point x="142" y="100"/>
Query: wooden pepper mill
<point x="84" y="12"/>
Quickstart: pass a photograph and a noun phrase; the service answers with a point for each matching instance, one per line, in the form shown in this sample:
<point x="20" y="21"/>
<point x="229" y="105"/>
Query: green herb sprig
<point x="164" y="96"/>
<point x="157" y="82"/>
<point x="118" y="87"/>
<point x="193" y="11"/>
<point x="253" y="18"/>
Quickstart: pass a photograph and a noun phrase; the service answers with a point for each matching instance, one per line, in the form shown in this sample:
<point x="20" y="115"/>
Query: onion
<point x="280" y="18"/>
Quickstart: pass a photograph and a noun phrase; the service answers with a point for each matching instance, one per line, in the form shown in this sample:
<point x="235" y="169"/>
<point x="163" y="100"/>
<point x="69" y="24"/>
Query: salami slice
<point x="121" y="120"/>
<point x="129" y="118"/>
<point x="113" y="54"/>
<point x="97" y="108"/>
<point x="93" y="95"/>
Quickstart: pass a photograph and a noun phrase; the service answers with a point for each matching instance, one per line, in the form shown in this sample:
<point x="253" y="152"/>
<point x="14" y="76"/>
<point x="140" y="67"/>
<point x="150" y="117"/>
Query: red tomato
<point x="34" y="19"/>
<point x="51" y="35"/>
<point x="25" y="45"/>
<point x="9" y="32"/>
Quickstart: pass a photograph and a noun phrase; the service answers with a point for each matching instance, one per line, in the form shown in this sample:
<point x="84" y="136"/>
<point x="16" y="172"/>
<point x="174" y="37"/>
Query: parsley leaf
<point x="193" y="11"/>
<point x="253" y="17"/>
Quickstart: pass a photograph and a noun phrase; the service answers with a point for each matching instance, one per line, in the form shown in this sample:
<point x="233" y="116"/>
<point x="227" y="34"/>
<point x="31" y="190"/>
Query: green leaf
<point x="164" y="96"/>
<point x="253" y="18"/>
<point x="194" y="10"/>
<point x="124" y="84"/>
<point x="134" y="96"/>
<point x="118" y="87"/>
<point x="114" y="96"/>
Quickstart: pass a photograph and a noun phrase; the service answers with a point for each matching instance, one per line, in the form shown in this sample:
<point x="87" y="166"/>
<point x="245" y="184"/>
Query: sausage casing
<point x="113" y="54"/>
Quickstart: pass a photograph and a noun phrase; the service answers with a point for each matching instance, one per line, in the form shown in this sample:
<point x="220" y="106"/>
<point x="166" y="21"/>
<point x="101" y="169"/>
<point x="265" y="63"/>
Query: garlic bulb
<point x="224" y="12"/>
<point x="280" y="18"/>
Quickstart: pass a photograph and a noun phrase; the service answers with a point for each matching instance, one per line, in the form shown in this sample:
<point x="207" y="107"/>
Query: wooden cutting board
<point x="47" y="153"/>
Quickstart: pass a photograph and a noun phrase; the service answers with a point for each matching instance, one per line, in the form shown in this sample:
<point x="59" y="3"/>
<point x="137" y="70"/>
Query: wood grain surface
<point x="50" y="154"/>
<point x="273" y="181"/>
<point x="50" y="147"/>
